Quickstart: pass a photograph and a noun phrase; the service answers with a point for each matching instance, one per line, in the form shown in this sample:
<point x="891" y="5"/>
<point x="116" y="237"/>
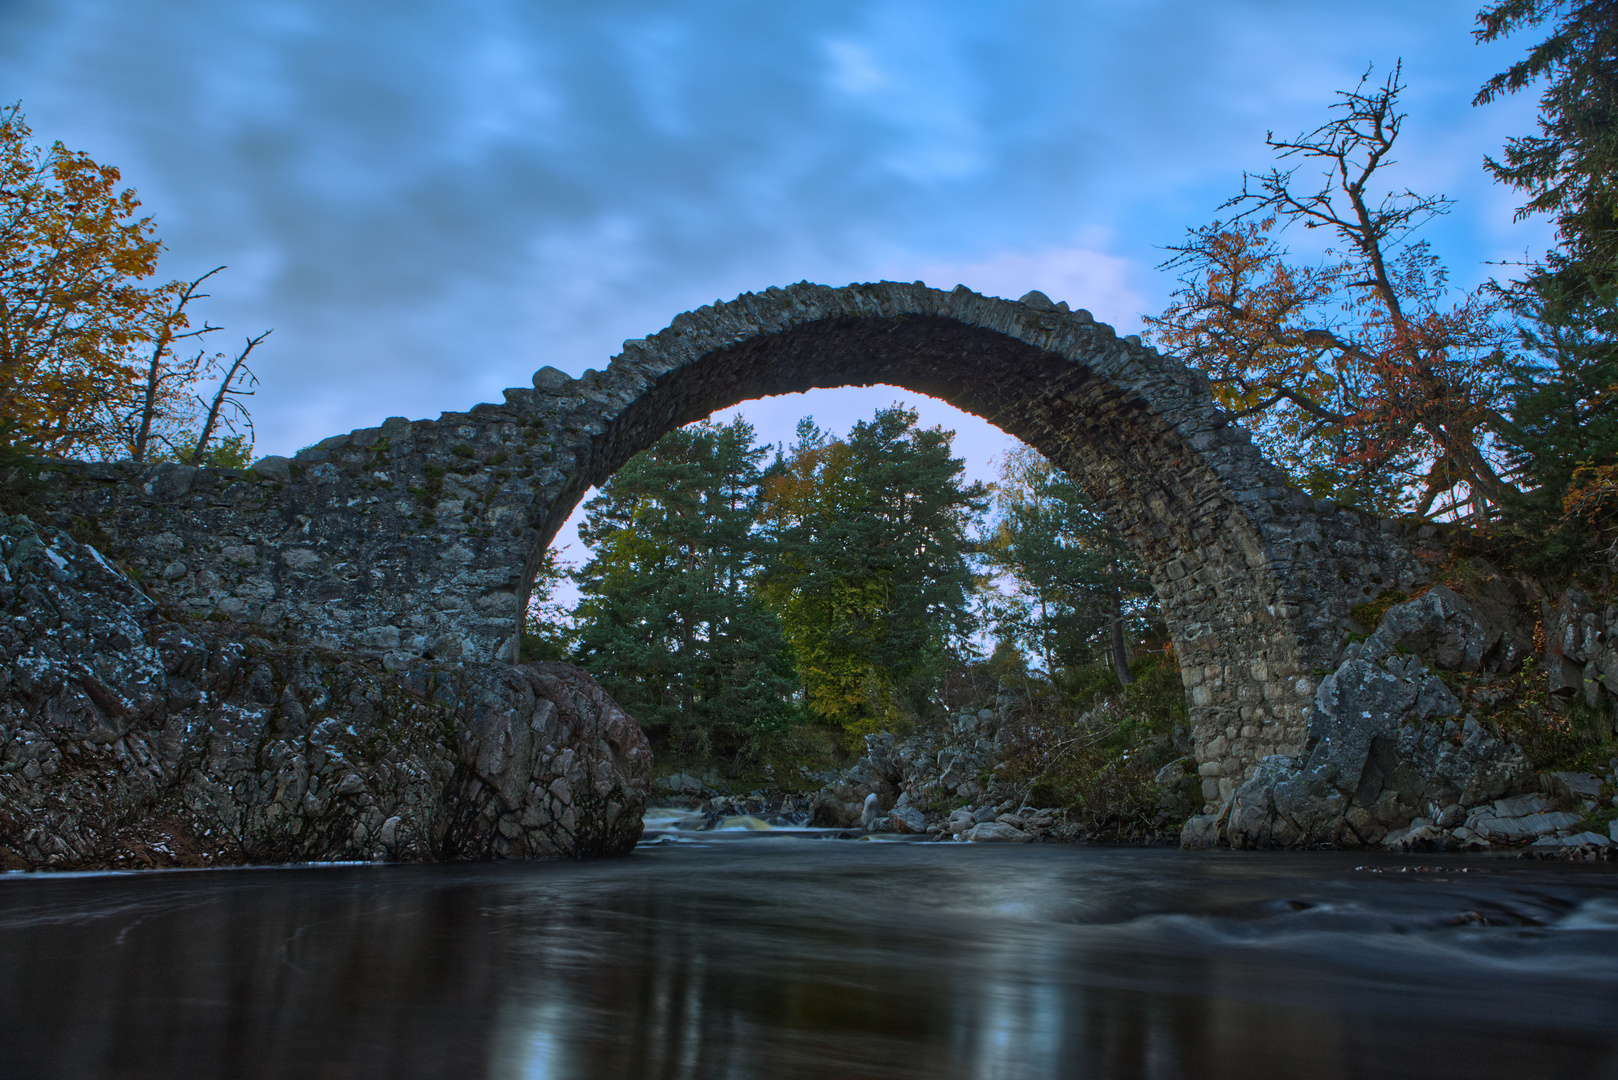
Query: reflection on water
<point x="770" y="958"/>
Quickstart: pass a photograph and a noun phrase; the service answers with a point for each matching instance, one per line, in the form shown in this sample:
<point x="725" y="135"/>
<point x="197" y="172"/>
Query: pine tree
<point x="668" y="619"/>
<point x="1078" y="585"/>
<point x="1563" y="398"/>
<point x="1570" y="169"/>
<point x="873" y="574"/>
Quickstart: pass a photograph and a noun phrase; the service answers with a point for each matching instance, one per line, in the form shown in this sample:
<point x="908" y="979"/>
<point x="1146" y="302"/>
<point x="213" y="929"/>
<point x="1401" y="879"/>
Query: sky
<point x="427" y="201"/>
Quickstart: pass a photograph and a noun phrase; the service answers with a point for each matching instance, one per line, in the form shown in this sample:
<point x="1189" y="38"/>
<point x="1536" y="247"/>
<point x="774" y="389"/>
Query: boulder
<point x="996" y="832"/>
<point x="1420" y="835"/>
<point x="872" y="819"/>
<point x="1482" y="631"/>
<point x="906" y="819"/>
<point x="1203" y="831"/>
<point x="1504" y="823"/>
<point x="1580" y="839"/>
<point x="1518" y="806"/>
<point x="1445" y="763"/>
<point x="1576" y="785"/>
<point x="129" y="738"/>
<point x="679" y="783"/>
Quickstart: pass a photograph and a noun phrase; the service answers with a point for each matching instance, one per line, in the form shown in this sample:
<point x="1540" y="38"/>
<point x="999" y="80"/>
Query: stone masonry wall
<point x="420" y="539"/>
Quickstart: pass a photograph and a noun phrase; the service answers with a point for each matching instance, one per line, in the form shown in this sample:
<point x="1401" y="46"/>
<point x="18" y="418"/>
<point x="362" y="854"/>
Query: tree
<point x="162" y="422"/>
<point x="668" y="620"/>
<point x="1353" y="372"/>
<point x="1078" y="585"/>
<point x="87" y="360"/>
<point x="71" y="253"/>
<point x="1569" y="170"/>
<point x="548" y="632"/>
<point x="1563" y="395"/>
<point x="872" y="575"/>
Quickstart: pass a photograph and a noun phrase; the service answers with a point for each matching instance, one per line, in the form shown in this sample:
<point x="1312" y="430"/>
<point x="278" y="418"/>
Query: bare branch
<point x="163" y="342"/>
<point x="230" y="388"/>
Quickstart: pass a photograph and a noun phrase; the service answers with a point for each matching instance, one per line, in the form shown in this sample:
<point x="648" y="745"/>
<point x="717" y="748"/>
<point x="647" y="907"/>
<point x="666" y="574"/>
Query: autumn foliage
<point x="1358" y="371"/>
<point x="88" y="366"/>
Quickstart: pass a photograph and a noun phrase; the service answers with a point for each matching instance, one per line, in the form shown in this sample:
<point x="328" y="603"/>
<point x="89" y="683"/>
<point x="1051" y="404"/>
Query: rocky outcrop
<point x="1488" y="629"/>
<point x="130" y="737"/>
<point x="1581" y="649"/>
<point x="1388" y="751"/>
<point x="942" y="763"/>
<point x="949" y="781"/>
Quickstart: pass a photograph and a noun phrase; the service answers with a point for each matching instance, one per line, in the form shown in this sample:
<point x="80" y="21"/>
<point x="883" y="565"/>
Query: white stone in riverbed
<point x="871" y="814"/>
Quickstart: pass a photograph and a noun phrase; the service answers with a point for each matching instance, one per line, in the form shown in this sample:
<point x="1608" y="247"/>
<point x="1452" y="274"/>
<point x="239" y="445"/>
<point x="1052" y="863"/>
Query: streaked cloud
<point x="429" y="199"/>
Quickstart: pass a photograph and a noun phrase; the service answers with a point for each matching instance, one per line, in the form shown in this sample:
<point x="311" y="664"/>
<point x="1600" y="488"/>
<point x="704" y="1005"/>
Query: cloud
<point x="427" y="201"/>
<point x="1085" y="278"/>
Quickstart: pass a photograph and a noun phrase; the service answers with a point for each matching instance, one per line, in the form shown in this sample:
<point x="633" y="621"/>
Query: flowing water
<point x="762" y="953"/>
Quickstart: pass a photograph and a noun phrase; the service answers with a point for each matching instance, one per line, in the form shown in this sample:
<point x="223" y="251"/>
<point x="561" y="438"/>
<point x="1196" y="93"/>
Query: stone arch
<point x="422" y="538"/>
<point x="1235" y="554"/>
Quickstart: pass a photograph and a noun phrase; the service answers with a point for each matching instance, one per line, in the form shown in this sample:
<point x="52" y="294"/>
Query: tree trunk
<point x="149" y="406"/>
<point x="1120" y="654"/>
<point x="1045" y="636"/>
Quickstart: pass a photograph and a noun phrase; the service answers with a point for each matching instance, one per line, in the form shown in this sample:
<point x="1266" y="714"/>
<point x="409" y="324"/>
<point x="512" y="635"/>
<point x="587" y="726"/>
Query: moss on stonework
<point x="1369" y="614"/>
<point x="434" y="488"/>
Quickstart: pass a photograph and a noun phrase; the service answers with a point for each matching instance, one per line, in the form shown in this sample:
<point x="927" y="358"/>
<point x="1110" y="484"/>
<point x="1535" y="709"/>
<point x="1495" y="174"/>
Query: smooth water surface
<point x="779" y="957"/>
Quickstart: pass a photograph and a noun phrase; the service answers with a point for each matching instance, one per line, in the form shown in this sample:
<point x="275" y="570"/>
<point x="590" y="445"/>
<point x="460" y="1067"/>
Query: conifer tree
<point x="1563" y="397"/>
<point x="668" y="619"/>
<point x="1078" y="585"/>
<point x="872" y="576"/>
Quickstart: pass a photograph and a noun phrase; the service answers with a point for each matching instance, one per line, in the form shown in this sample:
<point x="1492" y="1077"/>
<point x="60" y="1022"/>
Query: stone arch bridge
<point x="421" y="538"/>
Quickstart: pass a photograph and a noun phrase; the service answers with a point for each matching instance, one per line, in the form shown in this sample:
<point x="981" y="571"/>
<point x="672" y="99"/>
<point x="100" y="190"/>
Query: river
<point x="769" y="956"/>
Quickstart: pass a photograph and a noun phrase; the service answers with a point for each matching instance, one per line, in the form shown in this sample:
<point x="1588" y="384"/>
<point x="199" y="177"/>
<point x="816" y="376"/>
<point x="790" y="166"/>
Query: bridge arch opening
<point x="980" y="445"/>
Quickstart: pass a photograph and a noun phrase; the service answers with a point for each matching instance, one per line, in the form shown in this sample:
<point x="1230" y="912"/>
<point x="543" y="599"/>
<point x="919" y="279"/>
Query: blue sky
<point x="429" y="200"/>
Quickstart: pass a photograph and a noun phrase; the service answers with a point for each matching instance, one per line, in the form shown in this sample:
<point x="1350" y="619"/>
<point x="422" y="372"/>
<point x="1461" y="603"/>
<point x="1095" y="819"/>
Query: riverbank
<point x="967" y="778"/>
